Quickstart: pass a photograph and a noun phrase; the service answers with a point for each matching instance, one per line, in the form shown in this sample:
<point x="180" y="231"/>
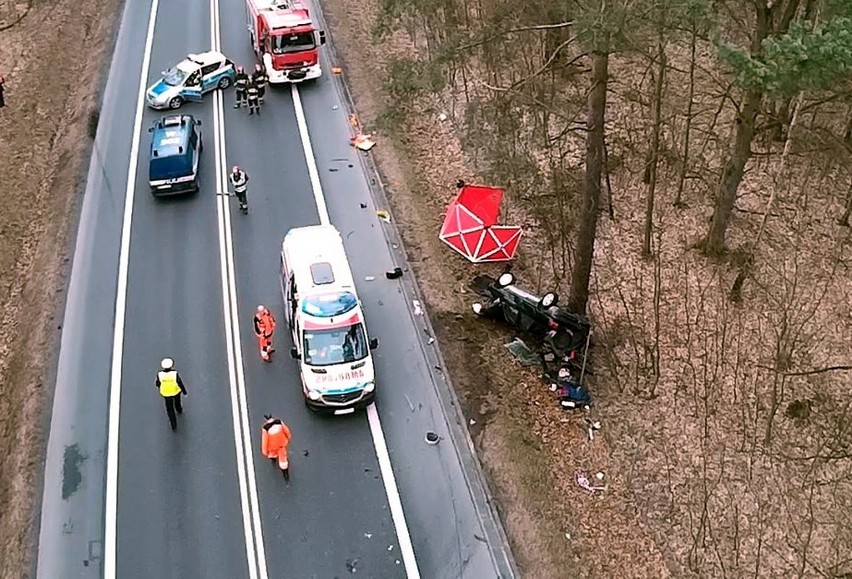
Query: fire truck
<point x="285" y="39"/>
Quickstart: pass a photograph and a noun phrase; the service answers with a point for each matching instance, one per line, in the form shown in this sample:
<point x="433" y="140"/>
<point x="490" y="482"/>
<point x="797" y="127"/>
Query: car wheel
<point x="549" y="300"/>
<point x="175" y="103"/>
<point x="224" y="82"/>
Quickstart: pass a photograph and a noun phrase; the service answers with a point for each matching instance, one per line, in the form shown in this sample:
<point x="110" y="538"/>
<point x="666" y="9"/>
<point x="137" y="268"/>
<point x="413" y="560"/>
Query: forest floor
<point x="725" y="446"/>
<point x="44" y="133"/>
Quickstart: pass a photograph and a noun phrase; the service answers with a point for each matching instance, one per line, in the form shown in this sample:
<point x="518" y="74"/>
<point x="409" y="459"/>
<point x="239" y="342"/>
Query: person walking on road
<point x="240" y="86"/>
<point x="264" y="327"/>
<point x="260" y="80"/>
<point x="171" y="388"/>
<point x="239" y="181"/>
<point x="253" y="94"/>
<point x="274" y="438"/>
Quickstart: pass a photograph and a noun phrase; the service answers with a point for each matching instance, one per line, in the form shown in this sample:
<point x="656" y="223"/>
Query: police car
<point x="190" y="79"/>
<point x="175" y="155"/>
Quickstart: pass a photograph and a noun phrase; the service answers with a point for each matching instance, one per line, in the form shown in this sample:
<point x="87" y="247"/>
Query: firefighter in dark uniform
<point x="253" y="97"/>
<point x="240" y="86"/>
<point x="260" y="79"/>
<point x="171" y="388"/>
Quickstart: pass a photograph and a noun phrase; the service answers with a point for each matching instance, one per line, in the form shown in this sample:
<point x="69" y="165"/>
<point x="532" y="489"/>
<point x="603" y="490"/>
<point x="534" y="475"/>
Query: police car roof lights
<point x="174" y="121"/>
<point x="329" y="305"/>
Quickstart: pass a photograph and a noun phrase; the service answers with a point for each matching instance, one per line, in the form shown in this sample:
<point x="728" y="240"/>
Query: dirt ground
<point x="52" y="56"/>
<point x="724" y="453"/>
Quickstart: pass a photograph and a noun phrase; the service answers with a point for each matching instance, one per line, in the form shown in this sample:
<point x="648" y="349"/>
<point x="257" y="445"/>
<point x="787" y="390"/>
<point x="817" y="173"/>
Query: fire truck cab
<point x="285" y="39"/>
<point x="326" y="321"/>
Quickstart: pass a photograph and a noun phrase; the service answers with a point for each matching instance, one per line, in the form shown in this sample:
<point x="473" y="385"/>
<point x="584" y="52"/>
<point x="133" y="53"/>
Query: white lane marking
<point x="388" y="478"/>
<point x="239" y="403"/>
<point x="221" y="210"/>
<point x="392" y="491"/>
<point x="322" y="209"/>
<point x="111" y="507"/>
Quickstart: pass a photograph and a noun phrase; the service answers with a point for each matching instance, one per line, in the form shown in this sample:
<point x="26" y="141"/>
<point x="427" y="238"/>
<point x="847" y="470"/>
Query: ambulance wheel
<point x="224" y="82"/>
<point x="175" y="103"/>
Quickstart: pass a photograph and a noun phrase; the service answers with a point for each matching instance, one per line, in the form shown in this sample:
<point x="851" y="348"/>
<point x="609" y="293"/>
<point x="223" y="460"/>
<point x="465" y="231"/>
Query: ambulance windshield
<point x="335" y="346"/>
<point x="289" y="43"/>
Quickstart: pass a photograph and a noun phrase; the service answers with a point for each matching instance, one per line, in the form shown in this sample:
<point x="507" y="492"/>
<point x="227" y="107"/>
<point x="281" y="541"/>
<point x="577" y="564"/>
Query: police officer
<point x="253" y="97"/>
<point x="171" y="388"/>
<point x="239" y="180"/>
<point x="240" y="86"/>
<point x="260" y="79"/>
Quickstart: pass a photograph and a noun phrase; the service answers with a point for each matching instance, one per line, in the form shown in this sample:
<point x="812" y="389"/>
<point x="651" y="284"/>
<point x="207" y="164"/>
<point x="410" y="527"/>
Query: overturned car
<point x="565" y="337"/>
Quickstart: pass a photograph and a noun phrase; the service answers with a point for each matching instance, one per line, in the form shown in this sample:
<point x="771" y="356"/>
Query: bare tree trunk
<point x="690" y="103"/>
<point x="653" y="157"/>
<point x="591" y="185"/>
<point x="844" y="219"/>
<point x="732" y="175"/>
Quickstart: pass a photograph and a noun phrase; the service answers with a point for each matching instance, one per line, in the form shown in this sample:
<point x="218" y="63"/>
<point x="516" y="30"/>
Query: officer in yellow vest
<point x="171" y="388"/>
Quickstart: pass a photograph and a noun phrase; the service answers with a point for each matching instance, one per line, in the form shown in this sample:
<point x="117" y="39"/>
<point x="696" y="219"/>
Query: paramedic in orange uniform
<point x="264" y="327"/>
<point x="275" y="436"/>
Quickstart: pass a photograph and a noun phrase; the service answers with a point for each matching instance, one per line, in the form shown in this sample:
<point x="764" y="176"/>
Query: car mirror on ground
<point x="374" y="343"/>
<point x="294" y="353"/>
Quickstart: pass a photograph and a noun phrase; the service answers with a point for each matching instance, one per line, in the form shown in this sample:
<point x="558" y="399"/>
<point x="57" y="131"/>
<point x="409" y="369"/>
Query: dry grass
<point x="710" y="471"/>
<point x="43" y="139"/>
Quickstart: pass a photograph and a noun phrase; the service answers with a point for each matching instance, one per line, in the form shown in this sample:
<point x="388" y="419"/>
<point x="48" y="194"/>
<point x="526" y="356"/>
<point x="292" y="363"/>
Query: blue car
<point x="190" y="79"/>
<point x="175" y="155"/>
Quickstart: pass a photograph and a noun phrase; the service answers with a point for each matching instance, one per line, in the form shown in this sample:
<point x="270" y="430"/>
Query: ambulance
<point x="326" y="321"/>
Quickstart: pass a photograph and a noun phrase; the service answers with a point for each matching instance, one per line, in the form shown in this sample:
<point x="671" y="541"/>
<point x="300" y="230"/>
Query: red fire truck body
<point x="285" y="39"/>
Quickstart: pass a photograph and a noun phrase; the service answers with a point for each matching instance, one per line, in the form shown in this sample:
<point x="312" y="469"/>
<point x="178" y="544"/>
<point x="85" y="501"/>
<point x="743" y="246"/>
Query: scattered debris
<point x="471" y="422"/>
<point x="369" y="278"/>
<point x="432" y="438"/>
<point x="363" y="141"/>
<point x="383" y="215"/>
<point x="305" y="453"/>
<point x="477" y="308"/>
<point x="336" y="70"/>
<point x="442" y="117"/>
<point x="585" y="482"/>
<point x="522" y="353"/>
<point x="418" y="311"/>
<point x="431" y="341"/>
<point x="568" y="536"/>
<point x="390" y="547"/>
<point x="350" y="565"/>
<point x="368" y="535"/>
<point x="335" y="107"/>
<point x="363" y="205"/>
<point x="395" y="274"/>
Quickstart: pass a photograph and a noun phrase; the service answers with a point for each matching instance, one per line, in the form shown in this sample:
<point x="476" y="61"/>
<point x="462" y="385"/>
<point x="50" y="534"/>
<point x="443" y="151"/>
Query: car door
<point x="192" y="87"/>
<point x="209" y="76"/>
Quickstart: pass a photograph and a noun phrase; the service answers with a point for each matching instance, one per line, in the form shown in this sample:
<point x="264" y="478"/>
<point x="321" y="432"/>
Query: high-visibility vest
<point x="239" y="181"/>
<point x="168" y="384"/>
<point x="266" y="323"/>
<point x="274" y="441"/>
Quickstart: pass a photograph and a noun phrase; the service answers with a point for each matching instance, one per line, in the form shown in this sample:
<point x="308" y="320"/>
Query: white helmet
<point x="167" y="364"/>
<point x="261" y="309"/>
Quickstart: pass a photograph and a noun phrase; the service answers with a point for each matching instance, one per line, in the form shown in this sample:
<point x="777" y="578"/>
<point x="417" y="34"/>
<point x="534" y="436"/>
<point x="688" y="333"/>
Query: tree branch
<point x="513" y="31"/>
<point x="810" y="372"/>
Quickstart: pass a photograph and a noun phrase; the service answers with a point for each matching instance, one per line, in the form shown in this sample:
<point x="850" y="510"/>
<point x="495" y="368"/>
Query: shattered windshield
<point x="174" y="77"/>
<point x="335" y="346"/>
<point x="290" y="43"/>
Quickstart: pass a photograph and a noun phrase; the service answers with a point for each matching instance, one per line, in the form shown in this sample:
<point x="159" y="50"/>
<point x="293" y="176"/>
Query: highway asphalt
<point x="180" y="505"/>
